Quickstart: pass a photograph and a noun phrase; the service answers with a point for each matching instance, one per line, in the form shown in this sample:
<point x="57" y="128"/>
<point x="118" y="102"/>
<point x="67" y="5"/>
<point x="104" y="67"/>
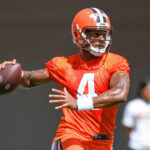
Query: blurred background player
<point x="93" y="83"/>
<point x="136" y="118"/>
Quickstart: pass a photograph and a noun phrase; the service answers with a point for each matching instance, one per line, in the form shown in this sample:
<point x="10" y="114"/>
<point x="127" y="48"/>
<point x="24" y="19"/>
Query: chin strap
<point x="97" y="51"/>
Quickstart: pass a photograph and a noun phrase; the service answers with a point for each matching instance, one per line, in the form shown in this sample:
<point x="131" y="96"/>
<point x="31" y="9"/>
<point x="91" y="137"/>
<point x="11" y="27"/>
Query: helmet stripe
<point x="99" y="18"/>
<point x="104" y="19"/>
<point x="92" y="8"/>
<point x="98" y="11"/>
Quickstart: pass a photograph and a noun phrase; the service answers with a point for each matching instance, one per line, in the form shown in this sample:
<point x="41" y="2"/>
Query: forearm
<point x="109" y="98"/>
<point x="118" y="92"/>
<point x="34" y="78"/>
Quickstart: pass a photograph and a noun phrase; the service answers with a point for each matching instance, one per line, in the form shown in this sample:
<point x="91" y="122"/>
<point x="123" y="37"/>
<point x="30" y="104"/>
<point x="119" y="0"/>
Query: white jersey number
<point x="88" y="78"/>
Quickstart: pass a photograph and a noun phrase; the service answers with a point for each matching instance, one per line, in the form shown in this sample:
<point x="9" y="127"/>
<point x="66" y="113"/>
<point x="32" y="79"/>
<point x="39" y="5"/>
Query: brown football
<point x="10" y="77"/>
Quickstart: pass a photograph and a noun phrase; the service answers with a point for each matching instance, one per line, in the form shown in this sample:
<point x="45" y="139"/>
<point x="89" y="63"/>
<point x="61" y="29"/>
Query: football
<point x="10" y="77"/>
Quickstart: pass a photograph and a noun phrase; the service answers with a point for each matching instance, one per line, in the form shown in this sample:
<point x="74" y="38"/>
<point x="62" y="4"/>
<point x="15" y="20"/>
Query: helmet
<point x="91" y="18"/>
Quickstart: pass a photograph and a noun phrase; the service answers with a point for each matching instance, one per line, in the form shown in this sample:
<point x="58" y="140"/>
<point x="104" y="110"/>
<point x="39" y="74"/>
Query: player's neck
<point x="85" y="55"/>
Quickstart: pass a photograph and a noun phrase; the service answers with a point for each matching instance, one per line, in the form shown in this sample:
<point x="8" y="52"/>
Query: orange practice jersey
<point x="81" y="79"/>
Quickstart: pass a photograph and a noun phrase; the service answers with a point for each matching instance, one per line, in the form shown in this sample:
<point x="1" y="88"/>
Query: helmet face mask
<point x="102" y="44"/>
<point x="91" y="19"/>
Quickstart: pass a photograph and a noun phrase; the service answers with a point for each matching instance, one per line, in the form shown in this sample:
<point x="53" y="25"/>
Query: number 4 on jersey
<point x="87" y="83"/>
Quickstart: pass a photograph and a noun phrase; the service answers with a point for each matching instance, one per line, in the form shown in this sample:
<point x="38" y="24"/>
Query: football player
<point x="93" y="83"/>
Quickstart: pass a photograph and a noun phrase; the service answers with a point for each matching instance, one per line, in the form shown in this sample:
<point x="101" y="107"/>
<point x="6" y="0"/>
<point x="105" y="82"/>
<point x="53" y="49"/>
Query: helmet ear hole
<point x="75" y="34"/>
<point x="81" y="41"/>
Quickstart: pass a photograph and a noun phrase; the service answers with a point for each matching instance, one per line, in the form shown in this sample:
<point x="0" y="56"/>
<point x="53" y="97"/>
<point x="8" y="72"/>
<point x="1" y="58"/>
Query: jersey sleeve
<point x="119" y="64"/>
<point x="51" y="69"/>
<point x="128" y="116"/>
<point x="55" y="69"/>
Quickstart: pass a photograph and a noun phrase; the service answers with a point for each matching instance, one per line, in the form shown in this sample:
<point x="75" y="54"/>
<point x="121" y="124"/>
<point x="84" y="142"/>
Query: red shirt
<point x="83" y="78"/>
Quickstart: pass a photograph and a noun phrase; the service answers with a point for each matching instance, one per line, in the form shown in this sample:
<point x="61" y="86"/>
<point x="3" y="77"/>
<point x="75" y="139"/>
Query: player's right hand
<point x="64" y="98"/>
<point x="2" y="65"/>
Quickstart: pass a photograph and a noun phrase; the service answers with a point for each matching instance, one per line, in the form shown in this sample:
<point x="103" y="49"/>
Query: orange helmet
<point x="91" y="18"/>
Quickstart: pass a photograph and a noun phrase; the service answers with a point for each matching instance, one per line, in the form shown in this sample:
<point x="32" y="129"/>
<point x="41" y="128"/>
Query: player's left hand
<point x="63" y="98"/>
